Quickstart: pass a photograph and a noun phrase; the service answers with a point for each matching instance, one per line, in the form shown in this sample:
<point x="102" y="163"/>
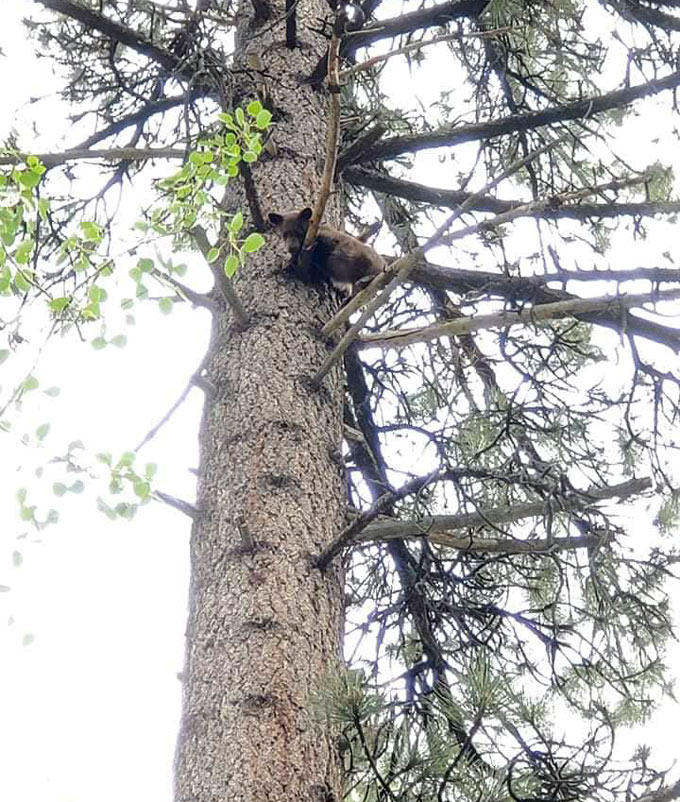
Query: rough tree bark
<point x="264" y="624"/>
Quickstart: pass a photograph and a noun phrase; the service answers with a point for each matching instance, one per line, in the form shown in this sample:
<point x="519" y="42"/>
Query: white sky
<point x="89" y="708"/>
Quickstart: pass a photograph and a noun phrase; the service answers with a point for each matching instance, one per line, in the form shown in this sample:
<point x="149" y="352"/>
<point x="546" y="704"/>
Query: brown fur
<point x="336" y="256"/>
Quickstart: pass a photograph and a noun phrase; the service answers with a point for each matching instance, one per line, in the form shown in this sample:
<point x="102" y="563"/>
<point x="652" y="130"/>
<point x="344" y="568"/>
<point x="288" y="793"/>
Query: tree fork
<point x="265" y="626"/>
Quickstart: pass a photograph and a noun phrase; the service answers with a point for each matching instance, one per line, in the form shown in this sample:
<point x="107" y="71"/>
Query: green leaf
<point x="231" y="266"/>
<point x="263" y="119"/>
<point x="165" y="305"/>
<point x="96" y="294"/>
<point x="52" y="517"/>
<point x="20" y="282"/>
<point x="150" y="470"/>
<point x="253" y="242"/>
<point x="28" y="639"/>
<point x="254" y="108"/>
<point x="119" y="340"/>
<point x="4" y="353"/>
<point x="145" y="265"/>
<point x="53" y="392"/>
<point x="236" y="223"/>
<point x="59" y="488"/>
<point x="240" y="116"/>
<point x="42" y="430"/>
<point x="212" y="254"/>
<point x="92" y="232"/>
<point x="30" y="383"/>
<point x="98" y="343"/>
<point x="26" y="513"/>
<point x="127" y="303"/>
<point x="104" y="457"/>
<point x="59" y="304"/>
<point x="249" y="157"/>
<point x="77" y="487"/>
<point x="142" y="489"/>
<point x="23" y="252"/>
<point x="227" y="119"/>
<point x="127" y="459"/>
<point x="21" y="495"/>
<point x="29" y="179"/>
<point x="90" y="312"/>
<point x="17" y="559"/>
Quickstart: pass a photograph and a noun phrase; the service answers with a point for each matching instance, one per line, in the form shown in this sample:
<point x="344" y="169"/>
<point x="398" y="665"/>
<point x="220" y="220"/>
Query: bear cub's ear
<point x="305" y="214"/>
<point x="275" y="219"/>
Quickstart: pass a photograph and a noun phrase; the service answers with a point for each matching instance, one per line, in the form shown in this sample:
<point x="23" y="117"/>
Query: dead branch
<point x="332" y="138"/>
<point x="107" y="154"/>
<point x="397" y="338"/>
<point x="437" y="528"/>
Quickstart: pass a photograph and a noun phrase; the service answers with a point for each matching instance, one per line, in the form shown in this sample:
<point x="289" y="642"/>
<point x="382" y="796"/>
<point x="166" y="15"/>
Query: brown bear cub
<point x="340" y="258"/>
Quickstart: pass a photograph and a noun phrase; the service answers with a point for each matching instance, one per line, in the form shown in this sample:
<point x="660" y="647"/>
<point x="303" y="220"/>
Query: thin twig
<point x="400" y="51"/>
<point x="194" y="380"/>
<point x="196" y="298"/>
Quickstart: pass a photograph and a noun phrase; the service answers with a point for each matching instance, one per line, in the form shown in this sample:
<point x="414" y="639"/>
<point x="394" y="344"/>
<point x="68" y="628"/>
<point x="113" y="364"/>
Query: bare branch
<point x="436" y="528"/>
<point x="177" y="504"/>
<point x="196" y="298"/>
<point x="546" y="209"/>
<point x="381" y="504"/>
<point x="398" y="338"/>
<point x="535" y="290"/>
<point x="360" y="145"/>
<point x="332" y="138"/>
<point x="107" y="154"/>
<point x="576" y="110"/>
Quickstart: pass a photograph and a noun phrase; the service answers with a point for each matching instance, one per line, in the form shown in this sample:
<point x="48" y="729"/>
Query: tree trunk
<point x="265" y="625"/>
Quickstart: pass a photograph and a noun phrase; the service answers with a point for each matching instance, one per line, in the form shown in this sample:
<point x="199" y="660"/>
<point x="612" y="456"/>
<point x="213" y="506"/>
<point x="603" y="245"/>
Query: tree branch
<point x="535" y="290"/>
<point x="437" y="527"/>
<point x="399" y="338"/>
<point x="359" y="146"/>
<point x="576" y="110"/>
<point x="177" y="504"/>
<point x="381" y="505"/>
<point x="332" y="138"/>
<point x="107" y="154"/>
<point x="115" y="31"/>
<point x="550" y="208"/>
<point x="405" y="23"/>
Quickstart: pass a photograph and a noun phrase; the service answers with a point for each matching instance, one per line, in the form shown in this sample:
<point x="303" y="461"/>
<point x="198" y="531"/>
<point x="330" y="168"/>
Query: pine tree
<point x="434" y="477"/>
